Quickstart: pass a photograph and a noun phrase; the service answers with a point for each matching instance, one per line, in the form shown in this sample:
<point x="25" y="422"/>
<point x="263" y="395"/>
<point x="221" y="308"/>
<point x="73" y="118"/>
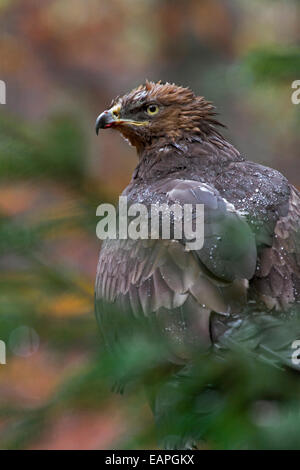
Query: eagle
<point x="250" y="258"/>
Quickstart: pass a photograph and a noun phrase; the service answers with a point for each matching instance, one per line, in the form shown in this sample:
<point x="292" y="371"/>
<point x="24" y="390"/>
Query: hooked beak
<point x="105" y="120"/>
<point x="111" y="118"/>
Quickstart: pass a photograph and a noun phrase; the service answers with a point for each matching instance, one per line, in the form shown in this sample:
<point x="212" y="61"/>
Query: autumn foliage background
<point x="63" y="62"/>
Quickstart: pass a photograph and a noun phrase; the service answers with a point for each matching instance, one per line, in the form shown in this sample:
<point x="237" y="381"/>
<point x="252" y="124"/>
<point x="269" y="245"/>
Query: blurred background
<point x="62" y="63"/>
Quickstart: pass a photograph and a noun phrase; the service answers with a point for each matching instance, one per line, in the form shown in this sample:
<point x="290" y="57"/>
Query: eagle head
<point x="157" y="111"/>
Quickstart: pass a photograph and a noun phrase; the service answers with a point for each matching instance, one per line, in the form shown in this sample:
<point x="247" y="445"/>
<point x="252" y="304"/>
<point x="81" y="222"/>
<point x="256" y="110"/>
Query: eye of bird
<point x="152" y="109"/>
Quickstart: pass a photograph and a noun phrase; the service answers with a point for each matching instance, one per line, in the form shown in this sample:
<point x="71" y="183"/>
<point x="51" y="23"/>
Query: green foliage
<point x="229" y="398"/>
<point x="273" y="64"/>
<point x="54" y="149"/>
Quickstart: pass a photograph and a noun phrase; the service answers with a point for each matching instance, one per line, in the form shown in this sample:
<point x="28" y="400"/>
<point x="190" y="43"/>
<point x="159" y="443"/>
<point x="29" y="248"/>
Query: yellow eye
<point x="152" y="109"/>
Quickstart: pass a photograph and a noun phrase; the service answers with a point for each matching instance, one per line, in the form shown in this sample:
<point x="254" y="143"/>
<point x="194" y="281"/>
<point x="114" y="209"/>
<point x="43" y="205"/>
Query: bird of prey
<point x="250" y="260"/>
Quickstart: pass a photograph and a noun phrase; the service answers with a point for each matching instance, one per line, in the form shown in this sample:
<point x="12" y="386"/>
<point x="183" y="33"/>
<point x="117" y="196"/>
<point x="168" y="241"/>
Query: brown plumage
<point x="251" y="254"/>
<point x="181" y="112"/>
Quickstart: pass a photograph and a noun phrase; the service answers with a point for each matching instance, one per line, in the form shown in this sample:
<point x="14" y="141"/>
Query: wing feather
<point x="157" y="278"/>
